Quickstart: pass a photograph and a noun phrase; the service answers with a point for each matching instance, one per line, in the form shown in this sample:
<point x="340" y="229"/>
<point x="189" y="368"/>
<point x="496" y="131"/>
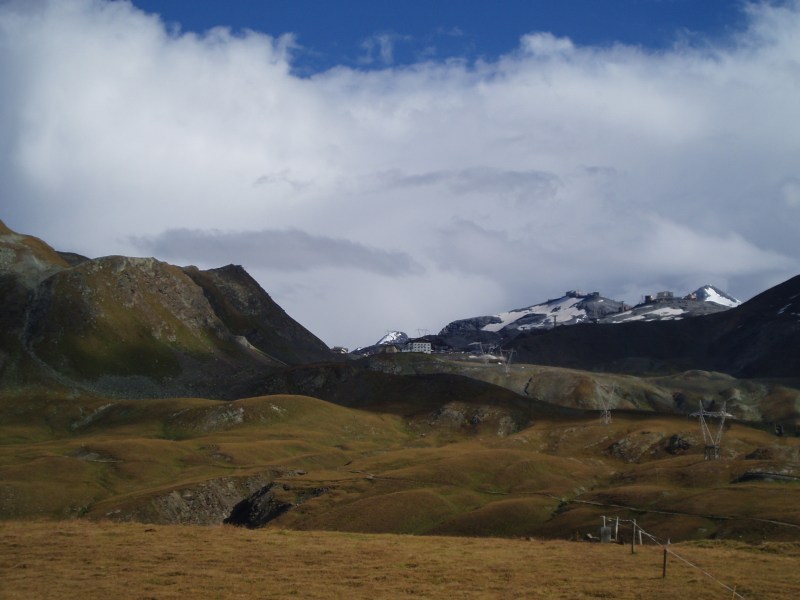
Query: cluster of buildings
<point x="394" y="347"/>
<point x="410" y="346"/>
<point x="659" y="297"/>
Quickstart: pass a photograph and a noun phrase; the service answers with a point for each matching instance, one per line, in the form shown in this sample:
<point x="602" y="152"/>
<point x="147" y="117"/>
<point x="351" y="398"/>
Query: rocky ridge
<point x="133" y="327"/>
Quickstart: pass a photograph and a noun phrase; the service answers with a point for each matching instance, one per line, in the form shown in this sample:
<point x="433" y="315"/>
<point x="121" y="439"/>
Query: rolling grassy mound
<point x="62" y="457"/>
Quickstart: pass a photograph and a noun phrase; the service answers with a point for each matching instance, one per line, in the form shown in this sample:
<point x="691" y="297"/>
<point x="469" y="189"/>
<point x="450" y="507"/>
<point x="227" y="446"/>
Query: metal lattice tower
<point x="606" y="412"/>
<point x="606" y="416"/>
<point x="711" y="438"/>
<point x="509" y="354"/>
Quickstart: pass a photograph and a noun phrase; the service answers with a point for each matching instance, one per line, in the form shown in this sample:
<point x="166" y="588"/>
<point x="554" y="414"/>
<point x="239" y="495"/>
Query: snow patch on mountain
<point x="665" y="307"/>
<point x="561" y="309"/>
<point x="392" y="337"/>
<point x="572" y="308"/>
<point x="709" y="293"/>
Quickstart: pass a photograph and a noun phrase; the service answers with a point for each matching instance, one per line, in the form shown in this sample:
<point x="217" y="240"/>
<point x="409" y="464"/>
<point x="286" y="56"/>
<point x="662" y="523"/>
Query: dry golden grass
<point x="77" y="559"/>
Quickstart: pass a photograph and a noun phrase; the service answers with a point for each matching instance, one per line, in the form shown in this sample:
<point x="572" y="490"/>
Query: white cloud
<point x="790" y="193"/>
<point x="380" y="48"/>
<point x="414" y="195"/>
<point x="279" y="250"/>
<point x="546" y="45"/>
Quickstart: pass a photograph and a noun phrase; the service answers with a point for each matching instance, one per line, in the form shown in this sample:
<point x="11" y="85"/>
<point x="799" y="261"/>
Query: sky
<point x="385" y="165"/>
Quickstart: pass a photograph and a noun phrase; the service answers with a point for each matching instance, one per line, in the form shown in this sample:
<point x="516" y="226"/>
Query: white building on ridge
<point x="419" y="346"/>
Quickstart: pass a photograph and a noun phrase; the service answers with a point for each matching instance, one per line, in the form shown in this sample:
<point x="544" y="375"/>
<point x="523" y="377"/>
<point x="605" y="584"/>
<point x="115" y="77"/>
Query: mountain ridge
<point x="573" y="308"/>
<point x="138" y="326"/>
<point x="759" y="338"/>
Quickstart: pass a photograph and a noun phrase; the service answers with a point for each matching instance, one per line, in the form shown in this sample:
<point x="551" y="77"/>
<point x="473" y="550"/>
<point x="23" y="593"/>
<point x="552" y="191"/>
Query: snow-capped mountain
<point x="709" y="293"/>
<point x="666" y="307"/>
<point x="392" y="337"/>
<point x="575" y="308"/>
<point x="759" y="338"/>
<point x="572" y="308"/>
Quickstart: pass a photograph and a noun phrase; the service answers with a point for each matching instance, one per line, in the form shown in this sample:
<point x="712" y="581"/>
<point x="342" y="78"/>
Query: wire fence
<point x="671" y="552"/>
<point x="667" y="549"/>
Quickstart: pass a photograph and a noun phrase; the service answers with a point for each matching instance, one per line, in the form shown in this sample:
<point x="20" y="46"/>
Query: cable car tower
<point x="711" y="438"/>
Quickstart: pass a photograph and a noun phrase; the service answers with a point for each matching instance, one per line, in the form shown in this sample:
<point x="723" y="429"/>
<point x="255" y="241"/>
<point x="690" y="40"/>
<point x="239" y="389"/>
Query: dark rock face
<point x="467" y="325"/>
<point x="248" y="311"/>
<point x="597" y="307"/>
<point x="677" y="444"/>
<point x="269" y="503"/>
<point x="205" y="503"/>
<point x="258" y="509"/>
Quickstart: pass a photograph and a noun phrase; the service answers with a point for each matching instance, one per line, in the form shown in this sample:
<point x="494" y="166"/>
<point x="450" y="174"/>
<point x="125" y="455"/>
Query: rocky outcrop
<point x="269" y="503"/>
<point x="492" y="420"/>
<point x="258" y="509"/>
<point x="206" y="503"/>
<point x="677" y="444"/>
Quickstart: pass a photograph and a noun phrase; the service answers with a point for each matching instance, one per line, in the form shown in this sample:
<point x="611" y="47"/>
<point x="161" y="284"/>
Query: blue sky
<point x="349" y="32"/>
<point x="400" y="165"/>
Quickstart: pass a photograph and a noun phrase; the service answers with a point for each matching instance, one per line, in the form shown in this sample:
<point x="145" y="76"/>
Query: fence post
<point x="633" y="538"/>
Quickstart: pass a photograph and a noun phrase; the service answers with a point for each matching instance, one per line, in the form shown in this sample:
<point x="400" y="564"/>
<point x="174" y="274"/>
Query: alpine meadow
<point x="368" y="299"/>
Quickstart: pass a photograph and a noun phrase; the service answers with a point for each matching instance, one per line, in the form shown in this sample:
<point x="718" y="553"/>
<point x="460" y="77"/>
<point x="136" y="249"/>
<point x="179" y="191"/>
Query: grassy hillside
<point x="434" y="471"/>
<point x="766" y="401"/>
<point x="67" y="457"/>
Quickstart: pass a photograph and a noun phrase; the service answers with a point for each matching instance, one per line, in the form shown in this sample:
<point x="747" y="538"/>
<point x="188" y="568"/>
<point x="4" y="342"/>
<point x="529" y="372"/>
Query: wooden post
<point x="633" y="538"/>
<point x="616" y="530"/>
<point x="664" y="566"/>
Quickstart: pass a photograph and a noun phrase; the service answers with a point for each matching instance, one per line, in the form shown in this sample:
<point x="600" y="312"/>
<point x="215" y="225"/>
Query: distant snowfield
<point x="711" y="295"/>
<point x="564" y="309"/>
<point x="391" y="337"/>
<point x="666" y="313"/>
